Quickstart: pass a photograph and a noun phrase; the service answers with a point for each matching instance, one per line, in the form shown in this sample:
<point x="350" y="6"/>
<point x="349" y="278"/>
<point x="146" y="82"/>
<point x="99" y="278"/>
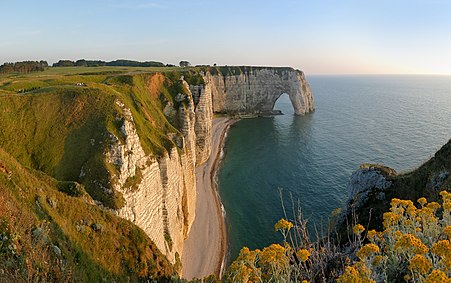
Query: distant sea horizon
<point x="396" y="120"/>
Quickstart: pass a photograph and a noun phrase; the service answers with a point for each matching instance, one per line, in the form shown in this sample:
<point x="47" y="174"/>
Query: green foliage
<point x="131" y="63"/>
<point x="238" y="70"/>
<point x="64" y="129"/>
<point x="100" y="63"/>
<point x="168" y="239"/>
<point x="122" y="80"/>
<point x="23" y="67"/>
<point x="64" y="63"/>
<point x="193" y="78"/>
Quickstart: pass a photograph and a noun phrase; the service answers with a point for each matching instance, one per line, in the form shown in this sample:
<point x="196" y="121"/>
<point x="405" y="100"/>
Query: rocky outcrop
<point x="254" y="90"/>
<point x="370" y="179"/>
<point x="368" y="191"/>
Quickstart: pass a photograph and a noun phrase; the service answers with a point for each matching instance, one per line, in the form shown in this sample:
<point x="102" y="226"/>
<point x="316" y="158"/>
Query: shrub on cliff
<point x="413" y="247"/>
<point x="296" y="259"/>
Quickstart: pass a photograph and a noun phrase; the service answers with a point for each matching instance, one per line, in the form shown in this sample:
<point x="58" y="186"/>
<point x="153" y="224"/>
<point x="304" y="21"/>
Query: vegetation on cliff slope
<point x="238" y="70"/>
<point x="426" y="181"/>
<point x="60" y="123"/>
<point x="48" y="236"/>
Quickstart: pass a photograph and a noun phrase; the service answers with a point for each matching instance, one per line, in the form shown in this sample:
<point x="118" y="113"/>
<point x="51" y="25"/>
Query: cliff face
<point x="160" y="193"/>
<point x="202" y="125"/>
<point x="244" y="90"/>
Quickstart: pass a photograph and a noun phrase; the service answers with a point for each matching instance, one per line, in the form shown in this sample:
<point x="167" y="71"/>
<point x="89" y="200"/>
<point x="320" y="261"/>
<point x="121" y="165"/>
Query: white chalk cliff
<point x="247" y="90"/>
<point x="163" y="199"/>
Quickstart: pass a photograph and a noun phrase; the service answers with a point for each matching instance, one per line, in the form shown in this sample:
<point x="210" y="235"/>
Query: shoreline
<point x="205" y="248"/>
<point x="219" y="204"/>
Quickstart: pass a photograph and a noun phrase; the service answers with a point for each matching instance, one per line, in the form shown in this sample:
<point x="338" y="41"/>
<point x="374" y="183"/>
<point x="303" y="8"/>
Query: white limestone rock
<point x="256" y="90"/>
<point x="164" y="201"/>
<point x="363" y="182"/>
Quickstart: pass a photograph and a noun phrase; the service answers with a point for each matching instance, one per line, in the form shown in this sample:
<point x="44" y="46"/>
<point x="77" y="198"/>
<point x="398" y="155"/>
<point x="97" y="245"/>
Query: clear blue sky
<point x="318" y="36"/>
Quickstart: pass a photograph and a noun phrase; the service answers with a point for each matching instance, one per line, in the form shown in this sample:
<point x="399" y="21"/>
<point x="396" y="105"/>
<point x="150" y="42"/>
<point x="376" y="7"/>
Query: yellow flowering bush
<point x="358" y="229"/>
<point x="303" y="255"/>
<point x="437" y="276"/>
<point x="413" y="246"/>
<point x="367" y="251"/>
<point x="420" y="264"/>
<point x="279" y="262"/>
<point x="283" y="224"/>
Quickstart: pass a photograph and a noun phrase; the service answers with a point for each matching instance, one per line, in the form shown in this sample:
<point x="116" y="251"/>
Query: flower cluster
<point x="420" y="264"/>
<point x="272" y="264"/>
<point x="358" y="229"/>
<point x="303" y="255"/>
<point x="415" y="244"/>
<point x="283" y="224"/>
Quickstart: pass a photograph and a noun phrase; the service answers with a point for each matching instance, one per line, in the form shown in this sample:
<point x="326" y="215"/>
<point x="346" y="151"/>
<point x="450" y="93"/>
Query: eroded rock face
<point x="161" y="201"/>
<point x="202" y="125"/>
<point x="256" y="90"/>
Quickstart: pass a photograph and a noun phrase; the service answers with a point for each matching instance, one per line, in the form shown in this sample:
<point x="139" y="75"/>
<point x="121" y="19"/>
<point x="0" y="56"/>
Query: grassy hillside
<point x="47" y="235"/>
<point x="51" y="124"/>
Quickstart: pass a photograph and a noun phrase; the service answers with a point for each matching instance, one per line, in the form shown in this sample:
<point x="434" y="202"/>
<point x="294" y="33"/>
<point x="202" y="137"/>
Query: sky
<point x="317" y="36"/>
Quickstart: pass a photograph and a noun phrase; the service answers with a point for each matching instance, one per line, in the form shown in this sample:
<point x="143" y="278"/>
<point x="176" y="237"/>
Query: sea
<point x="282" y="161"/>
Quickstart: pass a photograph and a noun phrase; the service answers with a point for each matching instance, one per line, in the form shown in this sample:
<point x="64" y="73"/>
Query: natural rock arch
<point x="256" y="89"/>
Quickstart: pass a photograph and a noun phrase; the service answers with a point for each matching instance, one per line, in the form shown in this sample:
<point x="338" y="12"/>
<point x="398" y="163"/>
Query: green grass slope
<point x="46" y="235"/>
<point x="50" y="124"/>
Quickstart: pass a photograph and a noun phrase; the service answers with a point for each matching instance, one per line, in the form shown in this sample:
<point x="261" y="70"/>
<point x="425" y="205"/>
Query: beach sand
<point x="205" y="247"/>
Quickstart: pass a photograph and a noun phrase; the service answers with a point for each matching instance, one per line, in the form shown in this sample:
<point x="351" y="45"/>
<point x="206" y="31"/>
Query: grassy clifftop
<point x="60" y="123"/>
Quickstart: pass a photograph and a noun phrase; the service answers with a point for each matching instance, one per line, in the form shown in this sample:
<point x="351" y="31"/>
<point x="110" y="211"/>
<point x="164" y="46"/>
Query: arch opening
<point x="284" y="104"/>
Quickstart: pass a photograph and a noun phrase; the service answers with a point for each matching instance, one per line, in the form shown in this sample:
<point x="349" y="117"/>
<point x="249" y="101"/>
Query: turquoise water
<point x="400" y="121"/>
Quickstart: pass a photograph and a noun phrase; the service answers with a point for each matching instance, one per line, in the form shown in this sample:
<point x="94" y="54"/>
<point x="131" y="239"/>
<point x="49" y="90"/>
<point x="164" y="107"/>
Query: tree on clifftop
<point x="184" y="64"/>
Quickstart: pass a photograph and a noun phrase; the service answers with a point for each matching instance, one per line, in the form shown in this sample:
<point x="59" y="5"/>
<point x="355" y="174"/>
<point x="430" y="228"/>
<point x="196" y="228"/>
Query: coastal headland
<point x="140" y="143"/>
